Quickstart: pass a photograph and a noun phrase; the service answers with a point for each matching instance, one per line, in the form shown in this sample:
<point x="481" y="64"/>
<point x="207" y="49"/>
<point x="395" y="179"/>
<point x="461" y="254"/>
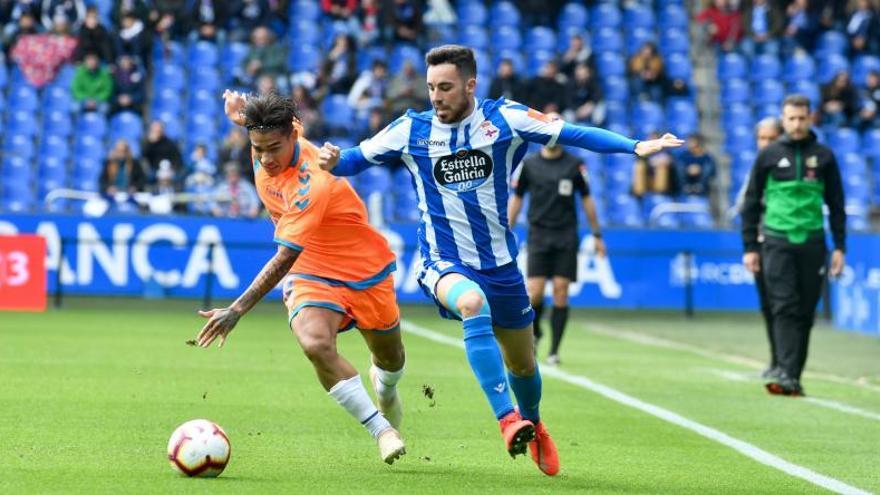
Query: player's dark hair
<point x="269" y="111"/>
<point x="796" y="101"/>
<point x="461" y="57"/>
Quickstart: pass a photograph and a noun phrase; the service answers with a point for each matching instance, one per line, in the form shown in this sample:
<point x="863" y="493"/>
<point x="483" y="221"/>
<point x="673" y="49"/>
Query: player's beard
<point x="456" y="114"/>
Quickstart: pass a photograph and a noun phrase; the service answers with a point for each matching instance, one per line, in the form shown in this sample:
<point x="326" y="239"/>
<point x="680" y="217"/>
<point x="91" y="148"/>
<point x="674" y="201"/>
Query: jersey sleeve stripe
<point x="288" y="244"/>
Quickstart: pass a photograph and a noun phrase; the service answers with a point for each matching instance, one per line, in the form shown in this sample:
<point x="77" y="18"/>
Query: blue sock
<point x="485" y="360"/>
<point x="527" y="390"/>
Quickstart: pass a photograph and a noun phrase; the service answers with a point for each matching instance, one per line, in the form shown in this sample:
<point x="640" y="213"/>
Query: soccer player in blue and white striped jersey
<point x="461" y="155"/>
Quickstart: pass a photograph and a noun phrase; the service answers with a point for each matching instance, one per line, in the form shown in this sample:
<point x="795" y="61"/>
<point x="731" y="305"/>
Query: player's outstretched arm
<point x="221" y="321"/>
<point x="342" y="163"/>
<point x="666" y="141"/>
<point x="605" y="141"/>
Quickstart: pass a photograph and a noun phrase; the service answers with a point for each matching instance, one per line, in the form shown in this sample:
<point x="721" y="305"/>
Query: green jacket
<point x="88" y="85"/>
<point x="794" y="179"/>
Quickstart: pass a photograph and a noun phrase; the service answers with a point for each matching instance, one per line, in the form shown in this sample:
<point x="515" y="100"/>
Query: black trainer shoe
<point x="784" y="385"/>
<point x="771" y="373"/>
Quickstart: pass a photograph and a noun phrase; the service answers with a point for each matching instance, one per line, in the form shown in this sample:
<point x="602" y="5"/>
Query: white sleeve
<point x="530" y="124"/>
<point x="387" y="146"/>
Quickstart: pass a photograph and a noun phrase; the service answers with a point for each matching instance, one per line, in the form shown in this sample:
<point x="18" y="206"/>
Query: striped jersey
<point x="461" y="173"/>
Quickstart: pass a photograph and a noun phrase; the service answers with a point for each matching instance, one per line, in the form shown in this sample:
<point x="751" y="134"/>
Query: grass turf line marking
<point x="740" y="446"/>
<point x="641" y="338"/>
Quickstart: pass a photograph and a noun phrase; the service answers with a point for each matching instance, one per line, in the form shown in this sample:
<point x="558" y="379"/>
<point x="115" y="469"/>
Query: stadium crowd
<point x="142" y="78"/>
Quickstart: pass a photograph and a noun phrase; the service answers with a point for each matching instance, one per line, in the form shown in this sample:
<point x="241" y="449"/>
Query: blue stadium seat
<point x="377" y="179"/>
<point x="772" y="110"/>
<point x="2" y="103"/>
<point x="207" y="78"/>
<point x="202" y="54"/>
<point x="683" y="111"/>
<point x="862" y="66"/>
<point x="338" y="116"/>
<point x="647" y="117"/>
<point x="204" y="101"/>
<point x="18" y="197"/>
<point x="304" y="58"/>
<point x="18" y="145"/>
<point x="610" y="64"/>
<point x="738" y="139"/>
<point x="637" y="37"/>
<point x="851" y="163"/>
<point x="638" y="16"/>
<point x="401" y="53"/>
<point x="89" y="147"/>
<point x="57" y="98"/>
<point x="231" y="57"/>
<point x="768" y="92"/>
<point x="166" y="100"/>
<point x="615" y="88"/>
<point x="832" y="42"/>
<point x="471" y="13"/>
<point x="799" y="67"/>
<point x="366" y="57"/>
<point x="201" y="126"/>
<point x="651" y="201"/>
<point x="765" y="67"/>
<point x="53" y="169"/>
<point x="738" y="114"/>
<point x="605" y="15"/>
<point x="572" y="14"/>
<point x="515" y="57"/>
<point x="678" y="66"/>
<point x="615" y="111"/>
<point x="625" y="212"/>
<point x="622" y="129"/>
<point x="506" y="38"/>
<point x="4" y="76"/>
<point x="619" y="162"/>
<point x="504" y="14"/>
<point x="540" y="38"/>
<point x="57" y="123"/>
<point x="743" y="160"/>
<point x="830" y="66"/>
<point x="871" y="147"/>
<point x="169" y="76"/>
<point x="674" y="41"/>
<point x="168" y="52"/>
<point x="673" y="16"/>
<point x="54" y="146"/>
<point x="16" y="169"/>
<point x="607" y="40"/>
<point x="844" y="141"/>
<point x="304" y="9"/>
<point x="129" y="122"/>
<point x="92" y="124"/>
<point x="807" y="88"/>
<point x="305" y="32"/>
<point x="86" y="171"/>
<point x="537" y="60"/>
<point x="64" y="78"/>
<point x="474" y="36"/>
<point x="735" y="91"/>
<point x="22" y="122"/>
<point x="23" y="98"/>
<point x="732" y="66"/>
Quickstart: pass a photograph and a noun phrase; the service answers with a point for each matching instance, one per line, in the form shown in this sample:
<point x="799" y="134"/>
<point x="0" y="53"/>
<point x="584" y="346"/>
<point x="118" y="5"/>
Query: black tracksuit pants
<point x="761" y="285"/>
<point x="793" y="274"/>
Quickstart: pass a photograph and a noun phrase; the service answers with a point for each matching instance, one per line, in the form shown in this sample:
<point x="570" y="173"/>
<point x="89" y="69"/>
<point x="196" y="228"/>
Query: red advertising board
<point x="22" y="273"/>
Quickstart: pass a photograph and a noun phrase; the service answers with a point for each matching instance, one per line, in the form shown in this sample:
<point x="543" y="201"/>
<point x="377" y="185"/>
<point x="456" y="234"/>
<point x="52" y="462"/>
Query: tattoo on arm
<point x="268" y="278"/>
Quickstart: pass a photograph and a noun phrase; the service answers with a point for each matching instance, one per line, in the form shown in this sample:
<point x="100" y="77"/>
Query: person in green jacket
<point x="92" y="85"/>
<point x="793" y="177"/>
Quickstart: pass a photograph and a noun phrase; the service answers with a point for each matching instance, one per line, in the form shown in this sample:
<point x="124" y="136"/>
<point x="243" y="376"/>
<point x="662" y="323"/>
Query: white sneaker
<point x="553" y="360"/>
<point x="391" y="446"/>
<point x="391" y="407"/>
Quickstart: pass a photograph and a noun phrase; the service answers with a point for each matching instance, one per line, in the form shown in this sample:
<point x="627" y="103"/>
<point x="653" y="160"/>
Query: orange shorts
<point x="374" y="308"/>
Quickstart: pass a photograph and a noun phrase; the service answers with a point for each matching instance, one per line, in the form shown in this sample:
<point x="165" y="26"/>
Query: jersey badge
<point x="784" y="162"/>
<point x="812" y="162"/>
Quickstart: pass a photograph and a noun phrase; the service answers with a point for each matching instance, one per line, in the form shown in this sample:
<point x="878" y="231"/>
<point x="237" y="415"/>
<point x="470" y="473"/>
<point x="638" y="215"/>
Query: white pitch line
<point x="641" y="338"/>
<point x="740" y="446"/>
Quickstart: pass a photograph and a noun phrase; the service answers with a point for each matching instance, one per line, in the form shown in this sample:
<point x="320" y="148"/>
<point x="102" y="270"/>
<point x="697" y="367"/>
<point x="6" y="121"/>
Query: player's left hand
<point x="233" y="104"/>
<point x="221" y="321"/>
<point x="328" y="156"/>
<point x="838" y="262"/>
<point x="651" y="146"/>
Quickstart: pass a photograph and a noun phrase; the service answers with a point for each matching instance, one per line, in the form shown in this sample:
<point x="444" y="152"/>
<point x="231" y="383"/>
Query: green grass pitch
<point x="89" y="395"/>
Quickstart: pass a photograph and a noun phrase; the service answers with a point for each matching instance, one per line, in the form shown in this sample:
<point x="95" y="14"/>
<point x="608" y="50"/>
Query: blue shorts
<point x="504" y="288"/>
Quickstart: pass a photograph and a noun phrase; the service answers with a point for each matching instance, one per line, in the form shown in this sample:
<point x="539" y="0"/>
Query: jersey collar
<point x="464" y="121"/>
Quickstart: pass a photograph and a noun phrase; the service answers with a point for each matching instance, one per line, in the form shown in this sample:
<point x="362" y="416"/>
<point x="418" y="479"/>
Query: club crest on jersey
<point x="489" y="130"/>
<point x="812" y="162"/>
<point x="463" y="171"/>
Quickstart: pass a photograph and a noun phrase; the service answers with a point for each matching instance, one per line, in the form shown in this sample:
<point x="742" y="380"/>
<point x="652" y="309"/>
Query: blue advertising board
<point x="130" y="255"/>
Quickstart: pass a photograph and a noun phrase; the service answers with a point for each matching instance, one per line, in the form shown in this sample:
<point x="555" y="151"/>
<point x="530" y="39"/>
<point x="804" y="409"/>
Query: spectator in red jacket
<point x="724" y="24"/>
<point x="40" y="56"/>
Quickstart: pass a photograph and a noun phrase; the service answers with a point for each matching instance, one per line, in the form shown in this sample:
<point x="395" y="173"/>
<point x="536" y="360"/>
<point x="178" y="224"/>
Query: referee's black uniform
<point x="793" y="178"/>
<point x="554" y="184"/>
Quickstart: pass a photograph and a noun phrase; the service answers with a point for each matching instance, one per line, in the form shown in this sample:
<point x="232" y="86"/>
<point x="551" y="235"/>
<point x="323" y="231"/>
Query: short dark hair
<point x="269" y="111"/>
<point x="796" y="100"/>
<point x="461" y="57"/>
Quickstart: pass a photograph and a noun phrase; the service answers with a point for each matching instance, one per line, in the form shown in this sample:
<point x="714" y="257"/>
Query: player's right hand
<point x="752" y="262"/>
<point x="328" y="156"/>
<point x="233" y="104"/>
<point x="221" y="321"/>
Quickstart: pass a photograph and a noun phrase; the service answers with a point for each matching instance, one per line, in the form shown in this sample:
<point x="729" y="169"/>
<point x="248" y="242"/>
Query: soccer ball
<point x="199" y="448"/>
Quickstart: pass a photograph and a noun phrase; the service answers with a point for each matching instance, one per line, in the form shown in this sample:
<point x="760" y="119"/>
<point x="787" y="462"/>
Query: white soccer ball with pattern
<point x="199" y="448"/>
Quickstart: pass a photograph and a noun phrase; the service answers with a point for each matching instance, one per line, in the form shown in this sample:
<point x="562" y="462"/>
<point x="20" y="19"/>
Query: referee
<point x="553" y="177"/>
<point x="793" y="177"/>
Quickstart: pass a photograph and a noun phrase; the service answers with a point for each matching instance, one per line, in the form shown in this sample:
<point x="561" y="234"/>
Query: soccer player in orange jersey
<point x="339" y="267"/>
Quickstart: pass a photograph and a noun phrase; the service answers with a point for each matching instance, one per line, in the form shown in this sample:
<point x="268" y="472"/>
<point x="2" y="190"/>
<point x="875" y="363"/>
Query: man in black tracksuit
<point x="793" y="176"/>
<point x="555" y="179"/>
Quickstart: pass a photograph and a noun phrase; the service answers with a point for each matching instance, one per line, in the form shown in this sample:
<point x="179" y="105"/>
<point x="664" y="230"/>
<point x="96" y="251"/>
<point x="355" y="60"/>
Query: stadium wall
<point x="646" y="269"/>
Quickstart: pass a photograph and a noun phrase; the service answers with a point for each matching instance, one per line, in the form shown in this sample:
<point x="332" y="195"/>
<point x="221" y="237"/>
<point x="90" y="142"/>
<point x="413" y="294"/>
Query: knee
<point x="470" y="303"/>
<point x="317" y="349"/>
<point x="527" y="367"/>
<point x="560" y="297"/>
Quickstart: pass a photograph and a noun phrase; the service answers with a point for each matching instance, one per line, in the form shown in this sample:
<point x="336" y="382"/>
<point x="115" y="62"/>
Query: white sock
<point x="387" y="382"/>
<point x="351" y="395"/>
